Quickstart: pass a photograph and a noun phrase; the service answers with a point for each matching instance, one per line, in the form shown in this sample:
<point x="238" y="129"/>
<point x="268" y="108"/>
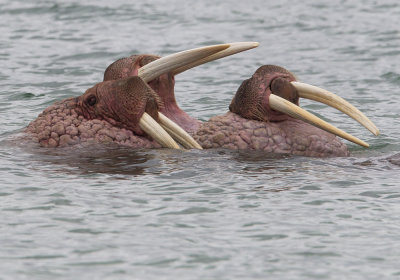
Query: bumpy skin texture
<point x="287" y="137"/>
<point x="253" y="125"/>
<point x="163" y="86"/>
<point x="108" y="112"/>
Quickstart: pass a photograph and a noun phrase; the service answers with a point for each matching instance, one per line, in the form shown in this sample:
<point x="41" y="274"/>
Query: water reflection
<point x="395" y="159"/>
<point x="178" y="164"/>
<point x="105" y="159"/>
<point x="380" y="163"/>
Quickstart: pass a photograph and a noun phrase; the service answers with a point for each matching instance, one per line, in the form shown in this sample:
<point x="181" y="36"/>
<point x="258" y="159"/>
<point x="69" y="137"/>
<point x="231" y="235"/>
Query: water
<point x="114" y="213"/>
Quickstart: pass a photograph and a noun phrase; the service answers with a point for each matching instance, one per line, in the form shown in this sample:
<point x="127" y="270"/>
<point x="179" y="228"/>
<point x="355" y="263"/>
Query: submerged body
<point x="62" y="125"/>
<point x="291" y="136"/>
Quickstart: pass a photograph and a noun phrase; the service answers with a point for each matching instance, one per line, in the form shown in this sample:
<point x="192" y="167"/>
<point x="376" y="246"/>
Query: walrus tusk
<point x="331" y="99"/>
<point x="173" y="61"/>
<point x="282" y="105"/>
<point x="153" y="129"/>
<point x="233" y="49"/>
<point x="158" y="67"/>
<point x="178" y="133"/>
<point x="177" y="63"/>
<point x="182" y="61"/>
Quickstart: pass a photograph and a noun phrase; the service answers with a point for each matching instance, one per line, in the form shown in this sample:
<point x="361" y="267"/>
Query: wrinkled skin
<point x="292" y="136"/>
<point x="252" y="124"/>
<point x="108" y="112"/>
<point x="163" y="86"/>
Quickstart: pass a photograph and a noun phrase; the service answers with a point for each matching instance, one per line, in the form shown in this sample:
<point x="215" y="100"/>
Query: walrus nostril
<point x="283" y="88"/>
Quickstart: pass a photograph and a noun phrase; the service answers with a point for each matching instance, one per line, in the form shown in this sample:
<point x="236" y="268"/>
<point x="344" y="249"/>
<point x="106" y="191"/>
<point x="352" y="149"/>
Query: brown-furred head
<point x="272" y="94"/>
<point x="121" y="102"/>
<point x="251" y="100"/>
<point x="162" y="85"/>
<point x="129" y="67"/>
<point x="110" y="111"/>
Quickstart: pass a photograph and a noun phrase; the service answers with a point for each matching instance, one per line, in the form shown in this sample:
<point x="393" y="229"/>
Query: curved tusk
<point x="233" y="49"/>
<point x="152" y="128"/>
<point x="178" y="133"/>
<point x="282" y="105"/>
<point x="331" y="99"/>
<point x="170" y="62"/>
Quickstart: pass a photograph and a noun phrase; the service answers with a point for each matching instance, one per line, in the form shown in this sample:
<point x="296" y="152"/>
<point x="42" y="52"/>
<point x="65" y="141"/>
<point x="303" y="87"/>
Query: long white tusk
<point x="331" y="99"/>
<point x="282" y="105"/>
<point x="153" y="129"/>
<point x="177" y="63"/>
<point x="233" y="49"/>
<point x="170" y="62"/>
<point x="178" y="133"/>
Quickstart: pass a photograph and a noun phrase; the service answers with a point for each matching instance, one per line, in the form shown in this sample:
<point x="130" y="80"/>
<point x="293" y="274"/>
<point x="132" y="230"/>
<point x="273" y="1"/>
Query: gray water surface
<point x="108" y="212"/>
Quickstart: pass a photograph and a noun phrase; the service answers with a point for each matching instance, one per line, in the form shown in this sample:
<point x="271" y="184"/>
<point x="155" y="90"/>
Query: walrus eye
<point x="91" y="101"/>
